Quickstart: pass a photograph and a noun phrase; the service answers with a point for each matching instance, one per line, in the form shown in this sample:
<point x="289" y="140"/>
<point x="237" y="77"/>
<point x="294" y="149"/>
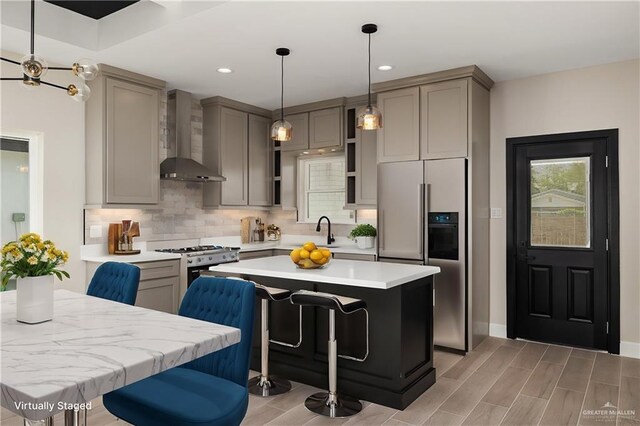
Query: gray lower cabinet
<point x="236" y="144"/>
<point x="159" y="284"/>
<point x="399" y="138"/>
<point x="325" y="128"/>
<point x="355" y="256"/>
<point x="122" y="127"/>
<point x="443" y="120"/>
<point x="299" y="133"/>
<point x="245" y="255"/>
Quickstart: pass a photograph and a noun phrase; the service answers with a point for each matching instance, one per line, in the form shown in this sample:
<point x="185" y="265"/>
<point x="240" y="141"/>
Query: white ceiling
<point x="184" y="42"/>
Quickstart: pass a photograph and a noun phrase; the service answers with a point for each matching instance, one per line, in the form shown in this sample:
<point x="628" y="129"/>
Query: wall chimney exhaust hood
<point x="179" y="165"/>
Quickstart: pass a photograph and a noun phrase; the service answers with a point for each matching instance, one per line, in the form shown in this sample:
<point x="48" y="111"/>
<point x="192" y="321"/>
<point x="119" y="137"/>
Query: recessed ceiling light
<point x="385" y="67"/>
<point x="225" y="70"/>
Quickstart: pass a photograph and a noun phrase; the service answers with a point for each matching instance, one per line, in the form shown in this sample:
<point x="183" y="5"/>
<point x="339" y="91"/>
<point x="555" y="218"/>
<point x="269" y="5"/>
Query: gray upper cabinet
<point x="236" y="144"/>
<point x="234" y="150"/>
<point x="443" y="120"/>
<point x="300" y="133"/>
<point x="122" y="139"/>
<point x="367" y="170"/>
<point x="259" y="161"/>
<point x="325" y="128"/>
<point x="399" y="138"/>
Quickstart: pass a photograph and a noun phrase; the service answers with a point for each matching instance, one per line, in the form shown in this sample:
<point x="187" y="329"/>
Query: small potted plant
<point x="34" y="263"/>
<point x="364" y="235"/>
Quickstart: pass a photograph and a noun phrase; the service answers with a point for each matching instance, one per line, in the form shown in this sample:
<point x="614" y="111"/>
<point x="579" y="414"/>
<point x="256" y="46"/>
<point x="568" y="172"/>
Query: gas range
<point x="205" y="255"/>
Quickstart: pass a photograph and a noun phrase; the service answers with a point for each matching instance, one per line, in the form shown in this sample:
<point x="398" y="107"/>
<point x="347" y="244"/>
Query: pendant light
<point x="35" y="67"/>
<point x="281" y="130"/>
<point x="369" y="117"/>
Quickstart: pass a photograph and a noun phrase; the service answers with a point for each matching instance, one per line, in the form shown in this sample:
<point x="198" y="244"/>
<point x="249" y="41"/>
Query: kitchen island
<point x="399" y="298"/>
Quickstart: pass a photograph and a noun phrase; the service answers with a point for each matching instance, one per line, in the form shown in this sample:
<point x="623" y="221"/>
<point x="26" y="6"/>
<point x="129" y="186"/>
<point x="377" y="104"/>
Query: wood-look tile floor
<point x="501" y="382"/>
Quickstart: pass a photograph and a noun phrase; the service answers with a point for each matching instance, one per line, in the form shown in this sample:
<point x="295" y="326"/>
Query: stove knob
<point x="210" y="257"/>
<point x="224" y="256"/>
<point x="189" y="261"/>
<point x="199" y="260"/>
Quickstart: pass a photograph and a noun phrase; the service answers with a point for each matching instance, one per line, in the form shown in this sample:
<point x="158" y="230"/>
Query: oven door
<point x="443" y="241"/>
<point x="193" y="272"/>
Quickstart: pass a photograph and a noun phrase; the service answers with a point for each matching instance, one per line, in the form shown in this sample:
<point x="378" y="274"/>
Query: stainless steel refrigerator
<point x="422" y="219"/>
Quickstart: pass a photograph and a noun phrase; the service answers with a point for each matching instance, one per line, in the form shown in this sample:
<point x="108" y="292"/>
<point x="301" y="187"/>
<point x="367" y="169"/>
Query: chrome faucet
<point x="330" y="238"/>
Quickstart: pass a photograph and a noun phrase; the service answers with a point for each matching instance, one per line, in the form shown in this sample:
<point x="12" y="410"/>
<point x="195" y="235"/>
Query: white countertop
<point x="380" y="275"/>
<point x="98" y="253"/>
<point x="93" y="346"/>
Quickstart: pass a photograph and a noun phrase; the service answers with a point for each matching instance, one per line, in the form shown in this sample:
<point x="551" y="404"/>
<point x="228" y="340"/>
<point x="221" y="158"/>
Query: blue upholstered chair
<point x="115" y="281"/>
<point x="211" y="390"/>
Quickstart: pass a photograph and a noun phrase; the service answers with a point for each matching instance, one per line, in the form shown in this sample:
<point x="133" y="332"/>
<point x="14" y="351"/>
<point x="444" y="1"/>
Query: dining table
<point x="92" y="346"/>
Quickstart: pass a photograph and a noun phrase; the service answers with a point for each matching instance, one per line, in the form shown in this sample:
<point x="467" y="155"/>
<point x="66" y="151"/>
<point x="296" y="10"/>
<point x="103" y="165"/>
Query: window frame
<point x="303" y="184"/>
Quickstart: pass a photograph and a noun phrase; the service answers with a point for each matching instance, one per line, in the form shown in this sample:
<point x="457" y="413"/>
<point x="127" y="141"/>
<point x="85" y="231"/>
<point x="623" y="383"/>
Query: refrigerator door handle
<point x="425" y="222"/>
<point x="382" y="228"/>
<point x="422" y="218"/>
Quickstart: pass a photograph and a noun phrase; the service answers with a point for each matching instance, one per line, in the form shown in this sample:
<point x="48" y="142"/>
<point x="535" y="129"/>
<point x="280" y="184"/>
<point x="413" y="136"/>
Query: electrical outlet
<point x="95" y="231"/>
<point x="496" y="213"/>
<point x="18" y="217"/>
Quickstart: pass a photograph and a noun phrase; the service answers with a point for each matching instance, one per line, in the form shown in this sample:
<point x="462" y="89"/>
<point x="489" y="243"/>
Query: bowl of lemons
<point x="309" y="256"/>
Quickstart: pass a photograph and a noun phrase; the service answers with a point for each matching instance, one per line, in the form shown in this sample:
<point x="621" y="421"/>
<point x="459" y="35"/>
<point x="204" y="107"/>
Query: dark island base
<point x="399" y="367"/>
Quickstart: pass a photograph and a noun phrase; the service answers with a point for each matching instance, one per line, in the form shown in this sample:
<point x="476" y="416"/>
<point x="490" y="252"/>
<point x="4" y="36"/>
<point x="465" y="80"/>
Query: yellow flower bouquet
<point x="30" y="256"/>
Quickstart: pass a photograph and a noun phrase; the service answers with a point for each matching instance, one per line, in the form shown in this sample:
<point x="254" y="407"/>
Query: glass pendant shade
<point x="80" y="92"/>
<point x="369" y="118"/>
<point x="85" y="69"/>
<point x="281" y="131"/>
<point x="34" y="66"/>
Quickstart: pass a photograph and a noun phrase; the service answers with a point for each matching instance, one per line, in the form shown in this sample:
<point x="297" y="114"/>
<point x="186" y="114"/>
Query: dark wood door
<point x="561" y="230"/>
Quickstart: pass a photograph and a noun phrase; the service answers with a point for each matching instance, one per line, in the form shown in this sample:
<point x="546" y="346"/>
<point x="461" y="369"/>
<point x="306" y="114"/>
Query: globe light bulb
<point x="34" y="66"/>
<point x="80" y="92"/>
<point x="85" y="69"/>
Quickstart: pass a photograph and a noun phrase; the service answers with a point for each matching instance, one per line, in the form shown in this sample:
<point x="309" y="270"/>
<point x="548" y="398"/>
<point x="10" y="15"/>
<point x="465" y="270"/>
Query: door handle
<point x="527" y="257"/>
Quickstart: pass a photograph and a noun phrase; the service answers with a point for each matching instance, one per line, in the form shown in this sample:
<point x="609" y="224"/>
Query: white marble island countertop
<point x="91" y="347"/>
<point x="357" y="273"/>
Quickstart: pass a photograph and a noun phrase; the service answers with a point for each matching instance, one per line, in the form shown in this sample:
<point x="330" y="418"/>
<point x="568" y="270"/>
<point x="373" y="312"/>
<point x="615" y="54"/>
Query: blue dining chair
<point x="115" y="281"/>
<point x="211" y="390"/>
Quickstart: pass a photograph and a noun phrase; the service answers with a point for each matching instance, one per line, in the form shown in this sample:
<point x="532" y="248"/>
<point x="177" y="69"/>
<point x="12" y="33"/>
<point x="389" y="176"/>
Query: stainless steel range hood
<point x="179" y="165"/>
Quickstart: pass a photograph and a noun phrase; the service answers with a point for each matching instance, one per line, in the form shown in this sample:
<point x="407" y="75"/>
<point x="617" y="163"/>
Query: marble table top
<point x="91" y="347"/>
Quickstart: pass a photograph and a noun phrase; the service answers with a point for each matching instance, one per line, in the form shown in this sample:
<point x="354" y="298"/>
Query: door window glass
<point x="560" y="213"/>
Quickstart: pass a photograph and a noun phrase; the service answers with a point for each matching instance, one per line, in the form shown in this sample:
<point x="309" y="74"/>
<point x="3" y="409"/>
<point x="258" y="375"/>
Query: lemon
<point x="316" y="255"/>
<point x="326" y="253"/>
<point x="322" y="261"/>
<point x="309" y="246"/>
<point x="295" y="255"/>
<point x="304" y="254"/>
<point x="306" y="263"/>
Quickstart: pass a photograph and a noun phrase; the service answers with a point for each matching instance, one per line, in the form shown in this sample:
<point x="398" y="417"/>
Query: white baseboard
<point x="498" y="330"/>
<point x="630" y="349"/>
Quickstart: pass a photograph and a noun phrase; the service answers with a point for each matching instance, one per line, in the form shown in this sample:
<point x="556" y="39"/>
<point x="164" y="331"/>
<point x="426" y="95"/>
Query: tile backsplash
<point x="180" y="215"/>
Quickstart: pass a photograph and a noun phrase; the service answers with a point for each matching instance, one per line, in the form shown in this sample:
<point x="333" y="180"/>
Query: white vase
<point x="34" y="299"/>
<point x="365" y="242"/>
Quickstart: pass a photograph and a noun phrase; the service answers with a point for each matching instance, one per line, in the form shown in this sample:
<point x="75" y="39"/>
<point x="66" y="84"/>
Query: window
<point x="560" y="205"/>
<point x="321" y="190"/>
<point x="14" y="164"/>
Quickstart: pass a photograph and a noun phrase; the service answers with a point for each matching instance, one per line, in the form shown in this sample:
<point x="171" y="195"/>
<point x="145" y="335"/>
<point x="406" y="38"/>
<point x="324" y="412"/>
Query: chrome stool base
<point x="270" y="387"/>
<point x="341" y="406"/>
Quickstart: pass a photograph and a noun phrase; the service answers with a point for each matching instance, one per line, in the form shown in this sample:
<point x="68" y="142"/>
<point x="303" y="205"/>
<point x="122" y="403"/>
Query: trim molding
<point x="111" y="71"/>
<point x="498" y="330"/>
<point x="312" y="106"/>
<point x="453" y="74"/>
<point x="630" y="349"/>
